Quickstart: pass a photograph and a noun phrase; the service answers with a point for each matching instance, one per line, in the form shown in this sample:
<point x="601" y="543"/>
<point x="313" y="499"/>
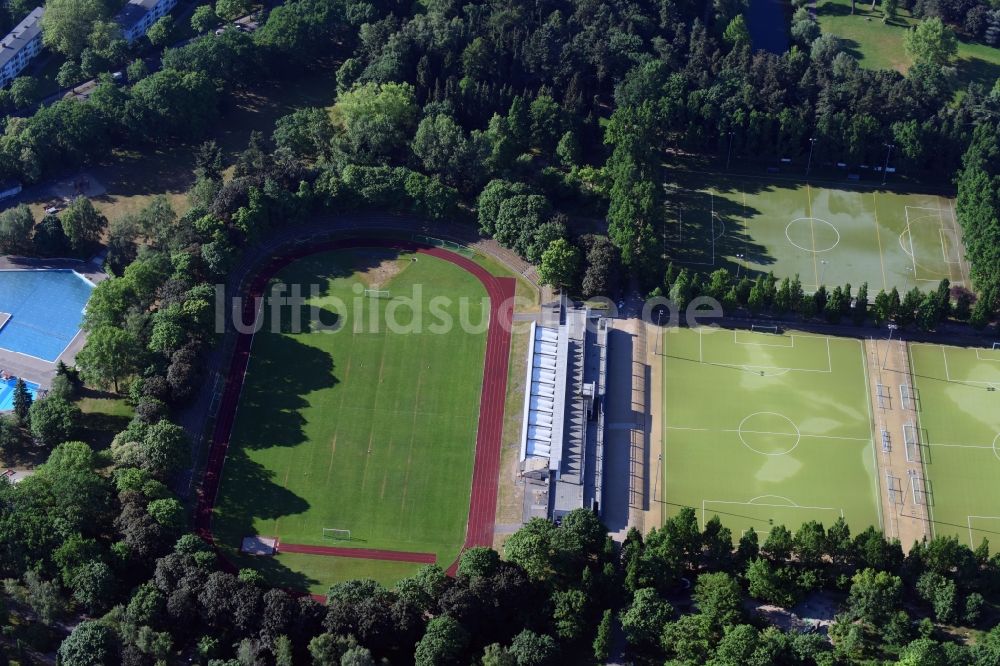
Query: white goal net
<point x="911" y="440"/>
<point x="332" y="534"/>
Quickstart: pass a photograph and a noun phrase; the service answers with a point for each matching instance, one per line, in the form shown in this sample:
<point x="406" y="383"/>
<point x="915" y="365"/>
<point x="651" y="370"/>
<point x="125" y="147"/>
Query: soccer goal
<point x="759" y="328"/>
<point x="377" y="293"/>
<point x="906" y="397"/>
<point x="918" y="487"/>
<point x="912" y="443"/>
<point x="332" y="534"/>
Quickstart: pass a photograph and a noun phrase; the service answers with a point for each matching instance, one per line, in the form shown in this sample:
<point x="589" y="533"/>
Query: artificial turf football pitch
<point x="958" y="414"/>
<point x="830" y="234"/>
<point x="363" y="429"/>
<point x="764" y="429"/>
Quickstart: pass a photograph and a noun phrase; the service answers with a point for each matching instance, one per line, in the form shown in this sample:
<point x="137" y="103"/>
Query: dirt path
<point x="894" y="407"/>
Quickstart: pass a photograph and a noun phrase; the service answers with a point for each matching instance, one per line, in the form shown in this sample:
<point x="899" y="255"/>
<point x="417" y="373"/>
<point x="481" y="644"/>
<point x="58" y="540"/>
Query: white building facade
<point x="137" y="16"/>
<point x="22" y="44"/>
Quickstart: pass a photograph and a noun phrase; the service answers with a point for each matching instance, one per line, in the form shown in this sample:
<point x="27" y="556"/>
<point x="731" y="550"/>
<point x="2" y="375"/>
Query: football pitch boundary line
<point x="753" y="502"/>
<point x="968" y="521"/>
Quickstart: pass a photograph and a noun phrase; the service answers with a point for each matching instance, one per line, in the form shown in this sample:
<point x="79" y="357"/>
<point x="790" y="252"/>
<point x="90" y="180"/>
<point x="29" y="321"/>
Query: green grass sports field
<point x="363" y="429"/>
<point x="827" y="235"/>
<point x="877" y="45"/>
<point x="958" y="408"/>
<point x="764" y="429"/>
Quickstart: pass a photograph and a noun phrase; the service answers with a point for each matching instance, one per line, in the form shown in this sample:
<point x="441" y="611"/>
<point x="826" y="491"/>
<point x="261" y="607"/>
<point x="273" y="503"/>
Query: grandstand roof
<point x="541" y="434"/>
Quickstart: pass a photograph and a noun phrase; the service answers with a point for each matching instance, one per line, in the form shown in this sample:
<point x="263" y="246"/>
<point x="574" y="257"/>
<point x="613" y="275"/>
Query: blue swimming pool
<point x="45" y="308"/>
<point x="7" y="393"/>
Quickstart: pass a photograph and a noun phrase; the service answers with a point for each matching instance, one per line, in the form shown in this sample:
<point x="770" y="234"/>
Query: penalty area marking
<point x="934" y="213"/>
<point x="950" y="379"/>
<point x="754" y="502"/>
<point x="812" y="220"/>
<point x="736" y="340"/>
<point x="968" y="520"/>
<point x="758" y="369"/>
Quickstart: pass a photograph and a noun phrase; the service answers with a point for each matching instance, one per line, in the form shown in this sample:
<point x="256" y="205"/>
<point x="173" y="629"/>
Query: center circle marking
<point x="815" y="221"/>
<point x="794" y="432"/>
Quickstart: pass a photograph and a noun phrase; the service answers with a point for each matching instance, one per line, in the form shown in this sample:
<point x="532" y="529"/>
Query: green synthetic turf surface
<point x="372" y="432"/>
<point x="823" y="234"/>
<point x="959" y="421"/>
<point x="806" y="450"/>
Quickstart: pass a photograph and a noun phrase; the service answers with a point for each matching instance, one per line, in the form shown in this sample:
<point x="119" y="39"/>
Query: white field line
<point x="968" y="520"/>
<point x="871" y="427"/>
<point x="706" y="502"/>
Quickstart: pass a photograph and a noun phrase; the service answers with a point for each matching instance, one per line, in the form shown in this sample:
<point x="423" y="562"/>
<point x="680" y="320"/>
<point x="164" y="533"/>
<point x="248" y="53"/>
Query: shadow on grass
<point x="104" y="416"/>
<point x="274" y="572"/>
<point x="979" y="71"/>
<point x="282" y="372"/>
<point x="852" y="48"/>
<point x="708" y="246"/>
<point x="254" y="493"/>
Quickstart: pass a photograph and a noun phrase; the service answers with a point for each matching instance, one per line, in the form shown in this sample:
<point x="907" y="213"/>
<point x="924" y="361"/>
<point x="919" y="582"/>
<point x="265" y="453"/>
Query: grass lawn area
<point x="880" y="46"/>
<point x="958" y="405"/>
<point x="294" y="571"/>
<point x="763" y="429"/>
<point x="829" y="234"/>
<point x="363" y="429"/>
<point x="104" y="416"/>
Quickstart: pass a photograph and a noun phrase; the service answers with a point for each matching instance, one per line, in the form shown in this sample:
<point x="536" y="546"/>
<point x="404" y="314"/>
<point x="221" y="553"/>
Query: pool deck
<point x="35" y="369"/>
<point x="90" y="269"/>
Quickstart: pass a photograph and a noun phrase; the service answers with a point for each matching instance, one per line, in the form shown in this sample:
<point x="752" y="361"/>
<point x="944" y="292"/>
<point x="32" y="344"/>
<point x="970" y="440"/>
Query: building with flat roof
<point x="20" y="45"/>
<point x="137" y="16"/>
<point x="562" y="434"/>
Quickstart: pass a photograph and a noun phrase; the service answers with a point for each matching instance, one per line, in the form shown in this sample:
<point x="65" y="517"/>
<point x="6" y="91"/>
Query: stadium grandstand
<point x="562" y="436"/>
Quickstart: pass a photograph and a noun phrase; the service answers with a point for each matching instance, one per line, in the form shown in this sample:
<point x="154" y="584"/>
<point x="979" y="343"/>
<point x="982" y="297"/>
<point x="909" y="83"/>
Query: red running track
<point x="485" y="475"/>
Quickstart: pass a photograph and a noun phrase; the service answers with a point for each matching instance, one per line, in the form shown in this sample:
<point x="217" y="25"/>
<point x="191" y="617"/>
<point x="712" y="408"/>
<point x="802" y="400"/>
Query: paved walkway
<point x="626" y="458"/>
<point x="888" y="374"/>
